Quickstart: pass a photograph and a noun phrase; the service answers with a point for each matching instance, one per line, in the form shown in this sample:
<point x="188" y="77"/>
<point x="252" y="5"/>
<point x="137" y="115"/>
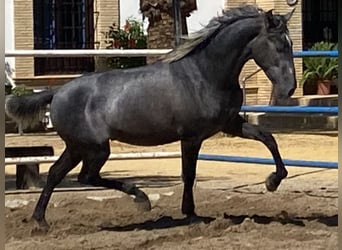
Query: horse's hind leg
<point x="94" y="157"/>
<point x="66" y="162"/>
<point x="190" y="151"/>
<point x="240" y="127"/>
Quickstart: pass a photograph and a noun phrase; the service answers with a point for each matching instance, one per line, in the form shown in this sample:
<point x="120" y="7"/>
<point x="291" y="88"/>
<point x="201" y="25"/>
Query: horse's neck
<point x="222" y="60"/>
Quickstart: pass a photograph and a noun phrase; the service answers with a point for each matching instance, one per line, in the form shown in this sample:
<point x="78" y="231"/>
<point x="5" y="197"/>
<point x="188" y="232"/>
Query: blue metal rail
<point x="267" y="161"/>
<point x="311" y="53"/>
<point x="290" y="109"/>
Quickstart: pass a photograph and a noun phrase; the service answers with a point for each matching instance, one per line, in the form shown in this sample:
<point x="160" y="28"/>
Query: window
<point x="319" y="21"/>
<point x="63" y="24"/>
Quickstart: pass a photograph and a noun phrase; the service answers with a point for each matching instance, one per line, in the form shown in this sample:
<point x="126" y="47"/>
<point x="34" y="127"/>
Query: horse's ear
<point x="288" y="16"/>
<point x="270" y="21"/>
<point x="269" y="15"/>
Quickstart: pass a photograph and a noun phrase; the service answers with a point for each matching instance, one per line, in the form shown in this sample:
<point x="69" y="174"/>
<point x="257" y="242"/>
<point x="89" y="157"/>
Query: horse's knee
<point x="189" y="175"/>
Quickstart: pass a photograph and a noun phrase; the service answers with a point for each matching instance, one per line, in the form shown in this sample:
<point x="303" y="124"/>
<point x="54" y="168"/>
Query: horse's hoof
<point x="195" y="219"/>
<point x="142" y="200"/>
<point x="272" y="182"/>
<point x="143" y="203"/>
<point x="39" y="227"/>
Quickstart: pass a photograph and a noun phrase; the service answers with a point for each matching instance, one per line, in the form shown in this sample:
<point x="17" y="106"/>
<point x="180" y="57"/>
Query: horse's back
<point x="145" y="106"/>
<point x="96" y="104"/>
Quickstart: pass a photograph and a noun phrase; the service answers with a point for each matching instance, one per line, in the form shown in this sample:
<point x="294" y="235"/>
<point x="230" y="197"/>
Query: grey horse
<point x="188" y="96"/>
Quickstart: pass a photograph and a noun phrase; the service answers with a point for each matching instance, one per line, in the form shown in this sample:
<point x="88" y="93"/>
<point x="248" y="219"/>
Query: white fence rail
<point x="122" y="156"/>
<point x="129" y="53"/>
<point x="87" y="52"/>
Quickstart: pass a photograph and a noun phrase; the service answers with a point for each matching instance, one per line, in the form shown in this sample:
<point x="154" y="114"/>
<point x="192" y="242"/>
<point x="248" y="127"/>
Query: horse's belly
<point x="151" y="136"/>
<point x="145" y="139"/>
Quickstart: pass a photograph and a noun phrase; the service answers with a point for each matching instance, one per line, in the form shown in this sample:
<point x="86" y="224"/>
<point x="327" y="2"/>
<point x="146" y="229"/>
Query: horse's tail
<point x="28" y="109"/>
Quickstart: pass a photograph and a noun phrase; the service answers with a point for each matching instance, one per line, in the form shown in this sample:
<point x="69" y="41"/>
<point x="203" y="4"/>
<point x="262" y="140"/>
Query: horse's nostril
<point x="291" y="92"/>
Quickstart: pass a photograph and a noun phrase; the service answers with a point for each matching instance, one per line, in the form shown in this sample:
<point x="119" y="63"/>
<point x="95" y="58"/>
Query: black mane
<point x="203" y="36"/>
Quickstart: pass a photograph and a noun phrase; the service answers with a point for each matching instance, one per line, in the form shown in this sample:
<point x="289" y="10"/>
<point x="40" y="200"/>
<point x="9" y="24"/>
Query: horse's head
<point x="272" y="51"/>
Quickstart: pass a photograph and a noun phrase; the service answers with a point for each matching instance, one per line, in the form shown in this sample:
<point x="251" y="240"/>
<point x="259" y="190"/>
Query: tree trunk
<point x="161" y="30"/>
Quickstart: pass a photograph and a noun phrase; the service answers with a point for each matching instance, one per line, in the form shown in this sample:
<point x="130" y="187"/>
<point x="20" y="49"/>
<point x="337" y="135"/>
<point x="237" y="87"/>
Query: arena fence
<point x="169" y="155"/>
<point x="159" y="155"/>
<point x="129" y="53"/>
<point x="290" y="109"/>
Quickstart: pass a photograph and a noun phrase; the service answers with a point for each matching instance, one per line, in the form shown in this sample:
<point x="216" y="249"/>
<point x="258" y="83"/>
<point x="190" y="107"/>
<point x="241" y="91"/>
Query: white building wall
<point x="9" y="30"/>
<point x="206" y="9"/>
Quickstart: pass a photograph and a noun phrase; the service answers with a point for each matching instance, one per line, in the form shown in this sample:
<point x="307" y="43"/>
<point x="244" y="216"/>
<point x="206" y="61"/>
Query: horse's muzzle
<point x="291" y="92"/>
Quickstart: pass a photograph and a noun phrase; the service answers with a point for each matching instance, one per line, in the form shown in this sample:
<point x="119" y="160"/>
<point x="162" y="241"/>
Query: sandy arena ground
<point x="301" y="214"/>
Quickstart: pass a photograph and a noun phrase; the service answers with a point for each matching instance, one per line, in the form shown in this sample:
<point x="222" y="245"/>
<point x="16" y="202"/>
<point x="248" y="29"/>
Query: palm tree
<point x="161" y="34"/>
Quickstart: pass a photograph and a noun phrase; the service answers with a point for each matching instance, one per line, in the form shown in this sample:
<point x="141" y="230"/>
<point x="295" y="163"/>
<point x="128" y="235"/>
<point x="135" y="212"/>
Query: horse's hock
<point x="27" y="174"/>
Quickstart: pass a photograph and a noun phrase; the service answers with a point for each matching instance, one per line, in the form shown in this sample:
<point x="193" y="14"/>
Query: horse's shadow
<point x="161" y="223"/>
<point x="330" y="221"/>
<point x="169" y="222"/>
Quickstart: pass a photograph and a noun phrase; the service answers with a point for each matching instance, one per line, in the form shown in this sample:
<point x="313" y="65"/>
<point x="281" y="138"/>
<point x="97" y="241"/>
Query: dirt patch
<point x="237" y="211"/>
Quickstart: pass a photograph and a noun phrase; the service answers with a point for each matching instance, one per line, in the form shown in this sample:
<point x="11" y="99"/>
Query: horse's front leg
<point x="190" y="151"/>
<point x="240" y="127"/>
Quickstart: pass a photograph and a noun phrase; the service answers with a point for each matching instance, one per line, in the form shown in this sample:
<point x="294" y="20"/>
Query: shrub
<point x="131" y="36"/>
<point x="320" y="68"/>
